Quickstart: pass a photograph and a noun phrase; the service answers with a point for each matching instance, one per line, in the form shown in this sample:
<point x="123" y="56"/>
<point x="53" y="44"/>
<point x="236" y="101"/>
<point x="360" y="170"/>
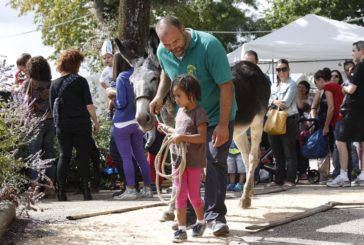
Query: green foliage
<point x="286" y="11"/>
<point x="84" y="33"/>
<point x="100" y="20"/>
<point x="211" y="16"/>
<point x="103" y="137"/>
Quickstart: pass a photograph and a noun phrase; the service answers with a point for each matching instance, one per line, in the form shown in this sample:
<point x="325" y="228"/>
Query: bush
<point x="16" y="127"/>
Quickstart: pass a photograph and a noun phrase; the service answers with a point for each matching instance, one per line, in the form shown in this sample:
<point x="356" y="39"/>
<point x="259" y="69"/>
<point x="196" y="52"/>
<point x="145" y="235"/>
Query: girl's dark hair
<point x="189" y="84"/>
<point x="307" y="85"/>
<point x="341" y="80"/>
<point x="324" y="74"/>
<point x="39" y="69"/>
<point x="118" y="65"/>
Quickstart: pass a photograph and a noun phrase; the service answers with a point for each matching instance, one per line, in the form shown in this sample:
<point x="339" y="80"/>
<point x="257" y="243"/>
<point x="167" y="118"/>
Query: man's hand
<point x="220" y="135"/>
<point x="155" y="106"/>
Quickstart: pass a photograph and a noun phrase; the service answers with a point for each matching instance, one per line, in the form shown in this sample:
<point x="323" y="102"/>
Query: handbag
<point x="316" y="146"/>
<point x="276" y="123"/>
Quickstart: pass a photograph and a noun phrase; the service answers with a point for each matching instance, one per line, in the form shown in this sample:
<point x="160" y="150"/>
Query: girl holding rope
<point x="190" y="128"/>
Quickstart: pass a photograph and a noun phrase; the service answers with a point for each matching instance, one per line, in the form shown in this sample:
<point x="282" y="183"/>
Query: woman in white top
<point x="283" y="94"/>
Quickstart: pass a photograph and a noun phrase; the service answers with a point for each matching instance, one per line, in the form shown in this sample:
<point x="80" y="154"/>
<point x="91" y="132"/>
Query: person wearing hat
<point x="107" y="57"/>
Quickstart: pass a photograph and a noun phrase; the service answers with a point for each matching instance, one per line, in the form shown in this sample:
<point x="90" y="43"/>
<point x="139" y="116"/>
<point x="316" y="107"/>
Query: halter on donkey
<point x="253" y="92"/>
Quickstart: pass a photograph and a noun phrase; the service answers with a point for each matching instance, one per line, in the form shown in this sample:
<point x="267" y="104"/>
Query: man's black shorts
<point x="352" y="128"/>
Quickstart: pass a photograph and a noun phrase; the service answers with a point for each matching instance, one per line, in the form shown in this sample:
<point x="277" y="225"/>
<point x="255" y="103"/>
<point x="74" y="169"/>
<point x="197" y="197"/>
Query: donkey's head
<point x="145" y="78"/>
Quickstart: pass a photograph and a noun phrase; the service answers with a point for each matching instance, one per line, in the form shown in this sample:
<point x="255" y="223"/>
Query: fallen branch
<point x="305" y="214"/>
<point x="116" y="211"/>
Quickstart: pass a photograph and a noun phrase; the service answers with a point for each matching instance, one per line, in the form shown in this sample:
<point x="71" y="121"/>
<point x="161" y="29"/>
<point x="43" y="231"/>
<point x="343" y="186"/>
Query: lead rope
<point x="160" y="163"/>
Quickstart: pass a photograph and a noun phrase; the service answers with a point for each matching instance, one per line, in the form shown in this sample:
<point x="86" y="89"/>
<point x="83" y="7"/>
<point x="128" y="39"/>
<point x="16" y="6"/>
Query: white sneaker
<point x="129" y="194"/>
<point x="146" y="192"/>
<point x="357" y="182"/>
<point x="339" y="181"/>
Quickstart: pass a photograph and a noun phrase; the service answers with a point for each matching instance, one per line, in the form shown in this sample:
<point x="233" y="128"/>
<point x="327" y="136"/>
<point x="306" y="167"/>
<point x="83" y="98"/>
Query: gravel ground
<point x="344" y="225"/>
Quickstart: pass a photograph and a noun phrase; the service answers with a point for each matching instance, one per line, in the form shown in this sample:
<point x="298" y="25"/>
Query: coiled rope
<point x="160" y="163"/>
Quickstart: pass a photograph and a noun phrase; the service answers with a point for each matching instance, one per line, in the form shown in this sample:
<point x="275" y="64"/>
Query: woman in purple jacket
<point x="128" y="137"/>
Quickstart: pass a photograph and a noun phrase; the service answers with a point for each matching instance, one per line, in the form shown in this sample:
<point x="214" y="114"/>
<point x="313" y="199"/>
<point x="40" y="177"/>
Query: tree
<point x="134" y="21"/>
<point x="85" y="25"/>
<point x="286" y="11"/>
<point x="210" y="15"/>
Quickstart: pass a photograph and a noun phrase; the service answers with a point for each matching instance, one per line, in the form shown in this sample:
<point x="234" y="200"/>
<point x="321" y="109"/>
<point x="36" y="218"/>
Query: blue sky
<point x="11" y="24"/>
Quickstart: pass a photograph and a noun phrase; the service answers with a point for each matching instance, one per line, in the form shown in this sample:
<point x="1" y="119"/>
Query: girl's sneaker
<point x="238" y="187"/>
<point x="230" y="187"/>
<point x="198" y="229"/>
<point x="146" y="192"/>
<point x="128" y="194"/>
<point x="180" y="236"/>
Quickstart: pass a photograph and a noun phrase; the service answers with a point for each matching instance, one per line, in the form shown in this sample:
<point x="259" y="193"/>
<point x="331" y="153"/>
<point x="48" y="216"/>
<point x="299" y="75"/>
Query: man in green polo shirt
<point x="186" y="51"/>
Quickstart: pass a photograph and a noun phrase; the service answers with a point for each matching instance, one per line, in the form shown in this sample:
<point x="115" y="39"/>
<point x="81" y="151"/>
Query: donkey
<point x="252" y="90"/>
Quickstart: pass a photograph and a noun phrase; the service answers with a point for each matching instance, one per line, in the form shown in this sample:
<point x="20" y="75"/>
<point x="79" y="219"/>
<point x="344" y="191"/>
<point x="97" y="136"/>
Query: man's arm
<point x="163" y="89"/>
<point x="350" y="89"/>
<point x="221" y="133"/>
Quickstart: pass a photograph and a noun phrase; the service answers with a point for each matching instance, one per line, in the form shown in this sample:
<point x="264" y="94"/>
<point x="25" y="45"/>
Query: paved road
<point x="337" y="226"/>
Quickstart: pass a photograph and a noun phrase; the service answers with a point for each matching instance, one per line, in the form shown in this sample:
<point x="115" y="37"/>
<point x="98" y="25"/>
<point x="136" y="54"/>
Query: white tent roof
<point x="309" y="43"/>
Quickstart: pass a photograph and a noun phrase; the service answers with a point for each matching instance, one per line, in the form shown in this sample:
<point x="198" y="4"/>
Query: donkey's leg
<point x="242" y="142"/>
<point x="256" y="130"/>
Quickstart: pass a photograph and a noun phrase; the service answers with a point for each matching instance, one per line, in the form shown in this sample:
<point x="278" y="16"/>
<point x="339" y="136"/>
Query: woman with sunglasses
<point x="283" y="94"/>
<point x="336" y="77"/>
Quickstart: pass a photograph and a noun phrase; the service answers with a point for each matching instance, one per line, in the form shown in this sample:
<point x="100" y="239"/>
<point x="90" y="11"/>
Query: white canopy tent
<point x="309" y="43"/>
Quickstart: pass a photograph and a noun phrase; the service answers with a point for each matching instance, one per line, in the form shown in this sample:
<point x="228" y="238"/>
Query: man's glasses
<point x="283" y="69"/>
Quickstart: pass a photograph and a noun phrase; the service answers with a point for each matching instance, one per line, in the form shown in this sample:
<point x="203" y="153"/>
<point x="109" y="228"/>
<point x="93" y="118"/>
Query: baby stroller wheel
<point x="313" y="176"/>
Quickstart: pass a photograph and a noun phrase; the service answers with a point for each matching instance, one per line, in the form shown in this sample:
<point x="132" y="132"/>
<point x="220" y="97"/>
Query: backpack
<point x="56" y="105"/>
<point x="316" y="146"/>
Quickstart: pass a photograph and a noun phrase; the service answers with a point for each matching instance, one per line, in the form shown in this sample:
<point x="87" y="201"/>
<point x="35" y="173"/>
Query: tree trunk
<point x="134" y="21"/>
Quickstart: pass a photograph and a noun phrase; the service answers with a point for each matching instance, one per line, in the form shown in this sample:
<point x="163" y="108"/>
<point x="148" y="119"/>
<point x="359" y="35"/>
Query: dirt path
<point x="143" y="226"/>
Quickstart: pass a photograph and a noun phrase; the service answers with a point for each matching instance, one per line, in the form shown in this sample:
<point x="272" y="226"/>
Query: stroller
<point x="267" y="161"/>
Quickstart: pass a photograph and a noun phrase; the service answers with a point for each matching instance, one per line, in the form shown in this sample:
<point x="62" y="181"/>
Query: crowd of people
<point x="195" y="70"/>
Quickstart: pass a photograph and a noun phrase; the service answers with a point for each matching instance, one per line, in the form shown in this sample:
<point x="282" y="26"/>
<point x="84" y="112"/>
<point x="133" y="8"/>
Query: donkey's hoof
<point x="245" y="203"/>
<point x="167" y="215"/>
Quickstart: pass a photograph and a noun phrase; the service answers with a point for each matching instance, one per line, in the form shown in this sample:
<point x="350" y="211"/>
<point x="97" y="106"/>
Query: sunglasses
<point x="283" y="69"/>
<point x="337" y="76"/>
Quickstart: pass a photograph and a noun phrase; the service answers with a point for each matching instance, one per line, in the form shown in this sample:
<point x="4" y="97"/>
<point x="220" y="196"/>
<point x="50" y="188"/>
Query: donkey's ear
<point x="127" y="53"/>
<point x="153" y="42"/>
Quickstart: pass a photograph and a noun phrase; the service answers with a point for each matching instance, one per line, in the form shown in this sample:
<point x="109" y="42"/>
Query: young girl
<point x="127" y="135"/>
<point x="191" y="128"/>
